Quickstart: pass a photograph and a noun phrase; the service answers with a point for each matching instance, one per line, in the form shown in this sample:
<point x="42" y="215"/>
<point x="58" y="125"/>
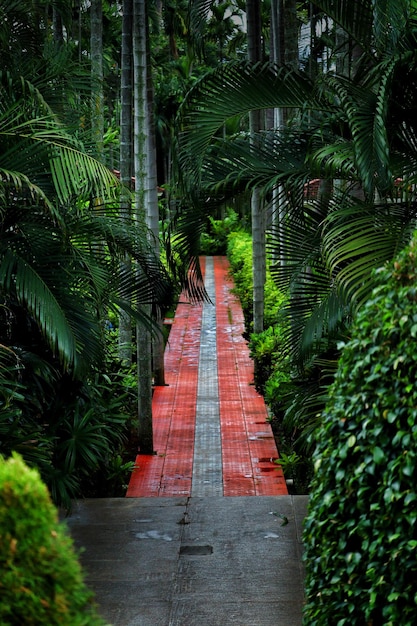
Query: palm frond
<point x="354" y="16"/>
<point x="359" y="239"/>
<point x="235" y="89"/>
<point x="389" y="23"/>
<point x="236" y="164"/>
<point x="33" y="141"/>
<point x="92" y="177"/>
<point x="13" y="180"/>
<point x="182" y="247"/>
<point x="199" y="12"/>
<point x="32" y="292"/>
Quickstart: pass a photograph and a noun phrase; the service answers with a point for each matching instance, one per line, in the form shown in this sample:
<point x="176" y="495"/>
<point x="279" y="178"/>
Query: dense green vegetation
<point x="326" y="178"/>
<point x="70" y="268"/>
<point x="41" y="581"/>
<point x="338" y="182"/>
<point x="346" y="126"/>
<point x="360" y="533"/>
<point x="61" y="244"/>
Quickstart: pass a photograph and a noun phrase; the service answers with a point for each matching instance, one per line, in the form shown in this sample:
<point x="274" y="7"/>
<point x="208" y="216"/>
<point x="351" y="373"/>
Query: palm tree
<point x="357" y="130"/>
<point x="146" y="201"/>
<point x="96" y="54"/>
<point x="125" y="163"/>
<point x="61" y="243"/>
<point x="256" y="124"/>
<point x="38" y="161"/>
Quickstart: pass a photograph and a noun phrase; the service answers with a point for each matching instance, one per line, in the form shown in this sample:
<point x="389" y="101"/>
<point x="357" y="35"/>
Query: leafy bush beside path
<point x="41" y="581"/>
<point x="361" y="529"/>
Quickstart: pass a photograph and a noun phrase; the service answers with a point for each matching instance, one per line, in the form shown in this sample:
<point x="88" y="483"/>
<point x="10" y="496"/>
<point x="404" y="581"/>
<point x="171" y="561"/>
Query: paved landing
<point x="209" y="561"/>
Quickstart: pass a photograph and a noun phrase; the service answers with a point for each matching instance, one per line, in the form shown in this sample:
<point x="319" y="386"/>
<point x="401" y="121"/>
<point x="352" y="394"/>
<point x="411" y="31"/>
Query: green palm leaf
<point x="235" y="89"/>
<point x="355" y="17"/>
<point x="41" y="152"/>
<point x="32" y="292"/>
<point x="359" y="239"/>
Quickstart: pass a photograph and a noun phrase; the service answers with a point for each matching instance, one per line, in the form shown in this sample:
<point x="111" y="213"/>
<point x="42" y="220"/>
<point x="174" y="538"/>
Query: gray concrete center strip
<point x="207" y="479"/>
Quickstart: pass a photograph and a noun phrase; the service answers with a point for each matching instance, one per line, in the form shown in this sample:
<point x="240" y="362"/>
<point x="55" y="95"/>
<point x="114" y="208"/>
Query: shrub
<point x="239" y="253"/>
<point x="274" y="300"/>
<point x="214" y="240"/>
<point x="73" y="431"/>
<point x="361" y="528"/>
<point x="266" y="349"/>
<point x="278" y="388"/>
<point x="41" y="581"/>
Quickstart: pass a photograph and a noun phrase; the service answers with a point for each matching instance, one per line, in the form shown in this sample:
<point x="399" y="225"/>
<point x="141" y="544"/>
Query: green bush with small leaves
<point x="239" y="253"/>
<point x="41" y="580"/>
<point x="360" y="532"/>
<point x="266" y="350"/>
<point x="213" y="240"/>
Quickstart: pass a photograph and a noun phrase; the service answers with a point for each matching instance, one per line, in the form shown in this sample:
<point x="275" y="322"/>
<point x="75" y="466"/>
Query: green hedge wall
<point x="361" y="529"/>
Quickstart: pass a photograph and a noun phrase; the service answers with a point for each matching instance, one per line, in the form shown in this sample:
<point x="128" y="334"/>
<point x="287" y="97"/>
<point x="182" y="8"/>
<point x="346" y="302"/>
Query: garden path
<point x="211" y="429"/>
<point x="176" y="551"/>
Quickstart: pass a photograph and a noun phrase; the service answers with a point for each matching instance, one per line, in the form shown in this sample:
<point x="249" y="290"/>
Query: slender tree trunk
<point x="276" y="57"/>
<point x="57" y="28"/>
<point x="126" y="170"/>
<point x="284" y="51"/>
<point x="153" y="219"/>
<point x="253" y="15"/>
<point x="96" y="53"/>
<point x="146" y="203"/>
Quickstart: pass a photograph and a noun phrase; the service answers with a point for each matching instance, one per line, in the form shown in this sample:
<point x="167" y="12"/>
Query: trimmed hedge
<point x="360" y="533"/>
<point x="41" y="581"/>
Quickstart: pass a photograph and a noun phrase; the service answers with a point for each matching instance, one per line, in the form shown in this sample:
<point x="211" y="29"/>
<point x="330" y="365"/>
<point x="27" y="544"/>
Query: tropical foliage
<point x="41" y="579"/>
<point x="360" y="533"/>
<point x="354" y="133"/>
<point x="61" y="243"/>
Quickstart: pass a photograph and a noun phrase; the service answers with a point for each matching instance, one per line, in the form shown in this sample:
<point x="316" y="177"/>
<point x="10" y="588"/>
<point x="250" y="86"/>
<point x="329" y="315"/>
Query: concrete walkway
<point x="210" y="561"/>
<point x="195" y="557"/>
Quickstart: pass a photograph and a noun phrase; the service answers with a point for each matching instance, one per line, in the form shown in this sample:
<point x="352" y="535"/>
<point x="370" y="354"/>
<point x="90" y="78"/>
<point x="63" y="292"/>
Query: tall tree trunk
<point x="146" y="202"/>
<point x="126" y="170"/>
<point x="277" y="57"/>
<point x="253" y="15"/>
<point x="96" y="54"/>
<point x="152" y="204"/>
<point x="57" y="27"/>
<point x="284" y="51"/>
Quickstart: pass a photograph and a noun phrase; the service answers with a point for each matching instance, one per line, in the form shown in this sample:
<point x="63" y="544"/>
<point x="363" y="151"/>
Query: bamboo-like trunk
<point x="96" y="55"/>
<point x="143" y="338"/>
<point x="257" y="210"/>
<point x="126" y="111"/>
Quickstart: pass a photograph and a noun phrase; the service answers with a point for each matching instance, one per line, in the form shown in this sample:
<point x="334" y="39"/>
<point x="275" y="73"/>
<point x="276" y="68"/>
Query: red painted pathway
<point x="247" y="442"/>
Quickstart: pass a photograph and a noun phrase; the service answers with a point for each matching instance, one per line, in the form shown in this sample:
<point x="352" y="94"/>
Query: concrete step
<point x="209" y="561"/>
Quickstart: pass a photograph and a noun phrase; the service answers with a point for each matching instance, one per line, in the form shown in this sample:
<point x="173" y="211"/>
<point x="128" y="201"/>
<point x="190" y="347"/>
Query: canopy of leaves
<point x="353" y="133"/>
